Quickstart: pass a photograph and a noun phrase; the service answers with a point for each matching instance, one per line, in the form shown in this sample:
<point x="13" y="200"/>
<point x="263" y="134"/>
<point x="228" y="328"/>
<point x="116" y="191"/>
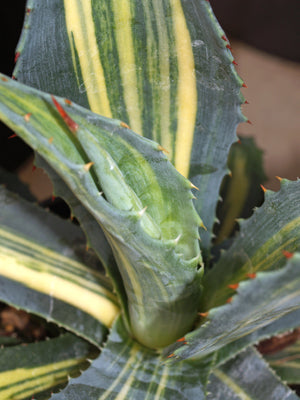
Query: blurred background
<point x="265" y="37"/>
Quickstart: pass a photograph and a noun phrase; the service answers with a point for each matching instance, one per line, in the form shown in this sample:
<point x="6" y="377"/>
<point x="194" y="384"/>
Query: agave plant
<point x="131" y="107"/>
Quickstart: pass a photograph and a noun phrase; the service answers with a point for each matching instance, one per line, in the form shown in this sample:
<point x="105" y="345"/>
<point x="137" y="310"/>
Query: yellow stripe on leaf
<point x="187" y="90"/>
<point x="21" y="382"/>
<point x="16" y="267"/>
<point x="232" y="385"/>
<point x="127" y="367"/>
<point x="162" y="384"/>
<point x="81" y="29"/>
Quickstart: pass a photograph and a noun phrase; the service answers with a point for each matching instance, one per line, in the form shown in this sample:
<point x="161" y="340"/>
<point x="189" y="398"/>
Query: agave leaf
<point x="240" y="191"/>
<point x="286" y="363"/>
<point x="162" y="67"/>
<point x="288" y="322"/>
<point x="259" y="302"/>
<point x="272" y="230"/>
<point x="37" y="368"/>
<point x="247" y="377"/>
<point x="41" y="270"/>
<point x="155" y="241"/>
<point x="126" y="369"/>
<point x="93" y="232"/>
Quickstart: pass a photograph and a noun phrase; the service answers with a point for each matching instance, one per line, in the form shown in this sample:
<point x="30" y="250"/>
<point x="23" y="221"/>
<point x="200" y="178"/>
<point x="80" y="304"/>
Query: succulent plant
<point x="132" y="108"/>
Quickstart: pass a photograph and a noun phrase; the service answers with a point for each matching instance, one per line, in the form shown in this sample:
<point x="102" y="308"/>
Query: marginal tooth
<point x="124" y="125"/>
<point x="263" y="188"/>
<point x="88" y="166"/>
<point x="193" y="186"/>
<point x="178" y="238"/>
<point x="160" y="148"/>
<point x="201" y="225"/>
<point x="142" y="212"/>
<point x="27" y="117"/>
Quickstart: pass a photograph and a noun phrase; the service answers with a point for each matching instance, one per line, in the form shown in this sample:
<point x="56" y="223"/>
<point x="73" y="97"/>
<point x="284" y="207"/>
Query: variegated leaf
<point x="247" y="377"/>
<point x="258" y="303"/>
<point x="40" y="271"/>
<point x="34" y="370"/>
<point x="272" y="232"/>
<point x="163" y="67"/>
<point x="286" y="363"/>
<point x="154" y="237"/>
<point x="127" y="370"/>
